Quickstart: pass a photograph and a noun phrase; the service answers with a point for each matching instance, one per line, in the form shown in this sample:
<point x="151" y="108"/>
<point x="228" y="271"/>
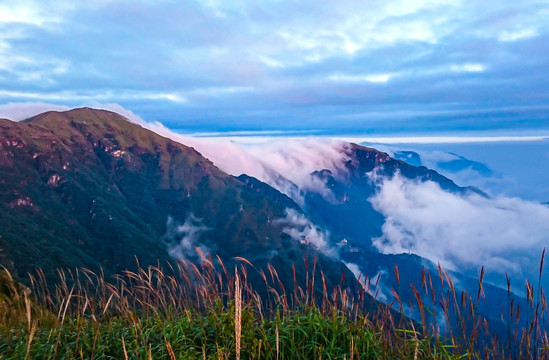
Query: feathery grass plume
<point x="397" y="277"/>
<point x="146" y="312"/>
<point x="352" y="349"/>
<point x="32" y="332"/>
<point x="277" y="340"/>
<point x="170" y="349"/>
<point x="124" y="349"/>
<point x="238" y="312"/>
<point x="538" y="337"/>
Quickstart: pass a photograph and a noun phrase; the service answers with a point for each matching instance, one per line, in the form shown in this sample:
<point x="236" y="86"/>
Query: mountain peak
<point x="77" y="113"/>
<point x="103" y="119"/>
<point x="102" y="189"/>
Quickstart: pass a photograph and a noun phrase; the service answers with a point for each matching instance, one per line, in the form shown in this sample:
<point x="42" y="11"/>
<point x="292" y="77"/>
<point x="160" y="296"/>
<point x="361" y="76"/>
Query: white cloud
<point x="27" y="12"/>
<point x="22" y="111"/>
<point x="171" y="97"/>
<point x="89" y="95"/>
<point x="267" y="158"/>
<point x="460" y="232"/>
<point x="514" y="35"/>
<point x="260" y="56"/>
<point x="220" y="90"/>
<point x="270" y="62"/>
<point x="303" y="230"/>
<point x="183" y="241"/>
<point x="469" y="67"/>
<point x="372" y="78"/>
<point x="444" y="139"/>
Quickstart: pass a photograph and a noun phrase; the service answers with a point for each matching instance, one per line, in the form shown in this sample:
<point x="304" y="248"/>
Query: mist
<point x="284" y="163"/>
<point x="461" y="232"/>
<point x="183" y="241"/>
<point x="301" y="229"/>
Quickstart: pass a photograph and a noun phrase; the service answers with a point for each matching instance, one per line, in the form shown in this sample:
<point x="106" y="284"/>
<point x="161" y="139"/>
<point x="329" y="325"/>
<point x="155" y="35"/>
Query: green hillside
<point x="89" y="188"/>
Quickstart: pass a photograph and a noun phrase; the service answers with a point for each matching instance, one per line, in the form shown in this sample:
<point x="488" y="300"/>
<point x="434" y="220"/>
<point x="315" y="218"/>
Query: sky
<point x="377" y="67"/>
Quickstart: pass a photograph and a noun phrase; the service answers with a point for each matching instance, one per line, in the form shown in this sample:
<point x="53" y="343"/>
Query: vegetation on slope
<point x="91" y="184"/>
<point x="207" y="312"/>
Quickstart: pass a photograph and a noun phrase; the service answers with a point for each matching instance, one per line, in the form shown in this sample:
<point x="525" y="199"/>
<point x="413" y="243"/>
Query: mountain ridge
<point x="88" y="188"/>
<point x="113" y="186"/>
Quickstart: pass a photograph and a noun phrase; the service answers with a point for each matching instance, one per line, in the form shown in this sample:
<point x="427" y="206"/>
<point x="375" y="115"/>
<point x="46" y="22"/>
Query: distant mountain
<point x="88" y="188"/>
<point x="349" y="213"/>
<point x="343" y="207"/>
<point x="449" y="162"/>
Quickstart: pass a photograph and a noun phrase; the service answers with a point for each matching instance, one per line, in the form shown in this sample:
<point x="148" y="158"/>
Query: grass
<point x="188" y="311"/>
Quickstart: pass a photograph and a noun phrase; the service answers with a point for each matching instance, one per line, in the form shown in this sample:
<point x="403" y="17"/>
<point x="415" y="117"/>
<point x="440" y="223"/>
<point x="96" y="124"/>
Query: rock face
<point x="88" y="188"/>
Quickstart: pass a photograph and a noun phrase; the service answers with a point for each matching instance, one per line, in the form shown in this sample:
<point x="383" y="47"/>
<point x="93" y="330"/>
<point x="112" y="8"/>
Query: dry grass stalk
<point x="237" y="313"/>
<point x="32" y="331"/>
<point x="352" y="352"/>
<point x="277" y="342"/>
<point x="184" y="289"/>
<point x="124" y="349"/>
<point x="170" y="349"/>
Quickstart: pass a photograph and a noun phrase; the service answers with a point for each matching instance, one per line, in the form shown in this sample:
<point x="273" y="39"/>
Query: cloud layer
<point x="374" y="67"/>
<point x="461" y="232"/>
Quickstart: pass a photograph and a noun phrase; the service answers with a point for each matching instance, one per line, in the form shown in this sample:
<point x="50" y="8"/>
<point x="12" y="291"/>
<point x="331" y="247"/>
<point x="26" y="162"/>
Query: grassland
<point x="185" y="311"/>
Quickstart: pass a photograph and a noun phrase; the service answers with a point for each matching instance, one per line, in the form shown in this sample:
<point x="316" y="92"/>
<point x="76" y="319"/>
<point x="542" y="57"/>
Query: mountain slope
<point x="343" y="204"/>
<point x="88" y="188"/>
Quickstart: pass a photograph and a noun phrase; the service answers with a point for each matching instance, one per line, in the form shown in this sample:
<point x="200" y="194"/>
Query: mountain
<point x="346" y="210"/>
<point x="88" y="188"/>
<point x="343" y="207"/>
<point x="446" y="161"/>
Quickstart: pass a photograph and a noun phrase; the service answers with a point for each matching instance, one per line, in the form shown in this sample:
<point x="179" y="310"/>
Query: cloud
<point x="284" y="163"/>
<point x="304" y="231"/>
<point x="518" y="34"/>
<point x="335" y="66"/>
<point x="22" y="111"/>
<point x="183" y="241"/>
<point x="373" y="78"/>
<point x="297" y="159"/>
<point x="514" y="166"/>
<point x="29" y="12"/>
<point x="460" y="232"/>
<point x="383" y="141"/>
<point x="462" y="171"/>
<point x="468" y="68"/>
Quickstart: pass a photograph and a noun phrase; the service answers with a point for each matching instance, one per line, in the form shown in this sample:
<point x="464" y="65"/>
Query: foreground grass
<point x="300" y="335"/>
<point x="304" y="334"/>
<point x="205" y="312"/>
